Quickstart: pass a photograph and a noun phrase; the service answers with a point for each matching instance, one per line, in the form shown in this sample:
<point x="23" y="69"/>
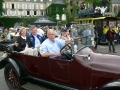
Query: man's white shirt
<point x="40" y="32"/>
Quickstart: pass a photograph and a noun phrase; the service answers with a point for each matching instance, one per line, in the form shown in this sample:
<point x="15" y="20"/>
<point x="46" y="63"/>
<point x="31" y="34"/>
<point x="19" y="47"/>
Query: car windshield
<point x="82" y="35"/>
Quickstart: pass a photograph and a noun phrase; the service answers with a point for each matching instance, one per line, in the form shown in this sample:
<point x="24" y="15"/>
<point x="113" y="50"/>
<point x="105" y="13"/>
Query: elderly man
<point x="35" y="39"/>
<point x="51" y="46"/>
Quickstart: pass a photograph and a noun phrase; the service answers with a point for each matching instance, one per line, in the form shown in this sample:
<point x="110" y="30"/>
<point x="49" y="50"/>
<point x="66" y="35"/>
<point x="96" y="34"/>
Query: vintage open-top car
<point x="86" y="69"/>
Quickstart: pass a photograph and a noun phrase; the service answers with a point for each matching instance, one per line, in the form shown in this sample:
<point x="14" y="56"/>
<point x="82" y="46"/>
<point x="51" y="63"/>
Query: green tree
<point x="97" y="3"/>
<point x="75" y="8"/>
<point x="88" y="2"/>
<point x="100" y="3"/>
<point x="71" y="16"/>
<point x="118" y="15"/>
<point x="1" y="7"/>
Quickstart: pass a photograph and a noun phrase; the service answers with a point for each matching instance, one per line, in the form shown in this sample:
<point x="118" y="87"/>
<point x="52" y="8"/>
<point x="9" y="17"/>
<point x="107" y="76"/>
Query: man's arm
<point x="44" y="52"/>
<point x="47" y="54"/>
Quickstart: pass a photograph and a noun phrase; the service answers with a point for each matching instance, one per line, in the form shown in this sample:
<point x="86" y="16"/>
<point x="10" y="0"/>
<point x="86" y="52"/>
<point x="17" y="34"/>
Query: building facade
<point x="71" y="4"/>
<point x="115" y="6"/>
<point x="25" y="7"/>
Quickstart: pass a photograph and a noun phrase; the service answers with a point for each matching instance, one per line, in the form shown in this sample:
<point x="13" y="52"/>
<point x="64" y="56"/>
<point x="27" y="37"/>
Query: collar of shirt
<point x="37" y="41"/>
<point x="23" y="37"/>
<point x="51" y="41"/>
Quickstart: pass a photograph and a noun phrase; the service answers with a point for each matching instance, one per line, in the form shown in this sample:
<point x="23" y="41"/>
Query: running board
<point x="30" y="86"/>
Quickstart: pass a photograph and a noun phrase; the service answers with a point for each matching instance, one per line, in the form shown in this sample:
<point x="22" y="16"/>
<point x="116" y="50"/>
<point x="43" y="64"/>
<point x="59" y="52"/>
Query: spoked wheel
<point x="12" y="77"/>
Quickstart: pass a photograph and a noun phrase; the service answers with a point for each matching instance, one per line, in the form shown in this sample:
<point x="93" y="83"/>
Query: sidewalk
<point x="105" y="49"/>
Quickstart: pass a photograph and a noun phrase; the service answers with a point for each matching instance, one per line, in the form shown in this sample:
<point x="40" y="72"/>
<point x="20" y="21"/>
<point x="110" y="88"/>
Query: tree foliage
<point x="10" y="21"/>
<point x="97" y="3"/>
<point x="118" y="13"/>
<point x="101" y="3"/>
<point x="54" y="9"/>
<point x="71" y="16"/>
<point x="1" y="7"/>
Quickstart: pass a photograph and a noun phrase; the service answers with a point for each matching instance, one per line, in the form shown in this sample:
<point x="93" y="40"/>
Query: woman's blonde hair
<point x="21" y="29"/>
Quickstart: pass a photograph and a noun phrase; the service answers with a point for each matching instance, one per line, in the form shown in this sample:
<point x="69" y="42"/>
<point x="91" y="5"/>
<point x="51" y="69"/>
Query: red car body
<point x="95" y="72"/>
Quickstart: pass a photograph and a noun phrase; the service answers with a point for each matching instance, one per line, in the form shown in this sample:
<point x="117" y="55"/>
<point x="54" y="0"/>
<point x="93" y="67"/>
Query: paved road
<point x="3" y="86"/>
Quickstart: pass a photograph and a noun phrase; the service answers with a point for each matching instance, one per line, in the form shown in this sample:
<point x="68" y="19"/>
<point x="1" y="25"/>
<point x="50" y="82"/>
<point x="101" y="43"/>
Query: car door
<point x="59" y="69"/>
<point x="81" y="69"/>
<point x="32" y="64"/>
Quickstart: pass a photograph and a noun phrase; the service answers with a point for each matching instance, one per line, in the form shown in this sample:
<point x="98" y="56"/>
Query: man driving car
<point x="51" y="46"/>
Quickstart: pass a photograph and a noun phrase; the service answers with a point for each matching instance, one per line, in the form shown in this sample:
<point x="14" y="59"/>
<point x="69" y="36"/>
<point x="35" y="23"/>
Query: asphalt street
<point x="102" y="49"/>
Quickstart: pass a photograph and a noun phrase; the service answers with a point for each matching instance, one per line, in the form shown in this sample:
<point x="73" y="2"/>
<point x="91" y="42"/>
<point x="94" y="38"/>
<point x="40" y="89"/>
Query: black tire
<point x="12" y="78"/>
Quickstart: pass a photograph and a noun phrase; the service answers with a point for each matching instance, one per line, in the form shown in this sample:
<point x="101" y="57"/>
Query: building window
<point x="28" y="12"/>
<point x="5" y="12"/>
<point x="28" y="6"/>
<point x="35" y="6"/>
<point x="71" y="10"/>
<point x="13" y="7"/>
<point x="115" y="9"/>
<point x="50" y="0"/>
<point x="71" y="3"/>
<point x="34" y="0"/>
<point x="118" y="7"/>
<point x="41" y="6"/>
<point x="77" y="3"/>
<point x="12" y="13"/>
<point x="27" y="0"/>
<point x="20" y="13"/>
<point x="42" y="13"/>
<point x="20" y="6"/>
<point x="5" y="5"/>
<point x="35" y="13"/>
<point x="41" y="0"/>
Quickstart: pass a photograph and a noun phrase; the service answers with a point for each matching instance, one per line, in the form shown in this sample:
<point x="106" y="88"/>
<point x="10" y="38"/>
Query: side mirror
<point x="85" y="56"/>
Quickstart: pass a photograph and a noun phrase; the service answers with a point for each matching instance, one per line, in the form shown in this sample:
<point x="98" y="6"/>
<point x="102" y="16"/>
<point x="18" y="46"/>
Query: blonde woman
<point x="23" y="43"/>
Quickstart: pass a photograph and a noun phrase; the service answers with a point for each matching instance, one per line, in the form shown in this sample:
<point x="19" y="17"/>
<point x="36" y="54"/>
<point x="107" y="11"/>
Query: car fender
<point x="10" y="60"/>
<point x="20" y="68"/>
<point x="114" y="85"/>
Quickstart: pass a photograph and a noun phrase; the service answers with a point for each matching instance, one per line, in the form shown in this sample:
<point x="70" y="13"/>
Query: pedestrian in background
<point x="96" y="37"/>
<point x="40" y="31"/>
<point x="110" y="37"/>
<point x="6" y="36"/>
<point x="87" y="35"/>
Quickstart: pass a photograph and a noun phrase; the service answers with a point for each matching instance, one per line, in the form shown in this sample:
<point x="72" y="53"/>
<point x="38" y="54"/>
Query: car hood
<point x="106" y="62"/>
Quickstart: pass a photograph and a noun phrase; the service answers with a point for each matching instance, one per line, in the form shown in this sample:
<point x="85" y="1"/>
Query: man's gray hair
<point x="32" y="27"/>
<point x="50" y="30"/>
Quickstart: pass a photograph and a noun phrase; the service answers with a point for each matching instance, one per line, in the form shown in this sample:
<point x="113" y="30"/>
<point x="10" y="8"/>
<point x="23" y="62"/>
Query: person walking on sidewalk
<point x="110" y="37"/>
<point x="96" y="37"/>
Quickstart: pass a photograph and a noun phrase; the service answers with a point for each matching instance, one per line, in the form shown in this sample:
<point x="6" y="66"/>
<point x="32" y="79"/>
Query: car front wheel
<point x="12" y="78"/>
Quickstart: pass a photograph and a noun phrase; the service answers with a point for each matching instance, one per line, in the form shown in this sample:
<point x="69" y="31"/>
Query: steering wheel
<point x="66" y="50"/>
